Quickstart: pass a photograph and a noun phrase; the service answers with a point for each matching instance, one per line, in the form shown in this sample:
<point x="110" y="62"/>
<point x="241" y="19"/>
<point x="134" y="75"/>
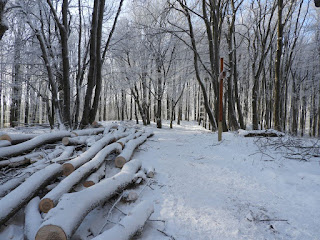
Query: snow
<point x="204" y="189"/>
<point x="211" y="190"/>
<point x="134" y="221"/>
<point x="19" y="194"/>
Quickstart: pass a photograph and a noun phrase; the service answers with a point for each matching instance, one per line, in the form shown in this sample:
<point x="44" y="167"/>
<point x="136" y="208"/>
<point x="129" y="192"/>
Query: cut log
<point x="17" y="180"/>
<point x="56" y="221"/>
<point x="127" y="152"/>
<point x="16" y="138"/>
<point x="132" y="136"/>
<point x="15" y="200"/>
<point x="89" y="131"/>
<point x="5" y="143"/>
<point x="74" y="140"/>
<point x="129" y="225"/>
<point x="109" y="127"/>
<point x="25" y="159"/>
<point x="148" y="169"/>
<point x="261" y="133"/>
<point x="65" y="154"/>
<point x="52" y="197"/>
<point x="140" y="176"/>
<point x="33" y="219"/>
<point x="129" y="196"/>
<point x="71" y="165"/>
<point x="32" y="143"/>
<point x="96" y="176"/>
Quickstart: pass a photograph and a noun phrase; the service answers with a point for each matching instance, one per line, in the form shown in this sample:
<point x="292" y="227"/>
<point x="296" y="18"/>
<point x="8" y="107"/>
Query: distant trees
<point x="74" y="62"/>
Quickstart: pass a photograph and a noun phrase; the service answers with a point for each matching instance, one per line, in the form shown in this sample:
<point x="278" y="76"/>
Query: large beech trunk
<point x="51" y="198"/>
<point x="71" y="165"/>
<point x="33" y="143"/>
<point x="57" y="226"/>
<point x="20" y="196"/>
<point x="129" y="225"/>
<point x="129" y="149"/>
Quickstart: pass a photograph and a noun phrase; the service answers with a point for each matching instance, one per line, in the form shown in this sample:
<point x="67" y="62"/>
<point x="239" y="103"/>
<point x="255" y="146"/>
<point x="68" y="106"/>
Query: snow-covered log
<point x="16" y="138"/>
<point x="52" y="197"/>
<point x="96" y="176"/>
<point x="21" y="195"/>
<point x="17" y="161"/>
<point x="132" y="136"/>
<point x="140" y="176"/>
<point x="4" y="143"/>
<point x="127" y="152"/>
<point x="33" y="219"/>
<point x="17" y="180"/>
<point x="89" y="131"/>
<point x="65" y="154"/>
<point x="74" y="140"/>
<point x="71" y="165"/>
<point x="148" y="169"/>
<point x="32" y="143"/>
<point x="62" y="221"/>
<point x="129" y="225"/>
<point x="129" y="196"/>
<point x="109" y="127"/>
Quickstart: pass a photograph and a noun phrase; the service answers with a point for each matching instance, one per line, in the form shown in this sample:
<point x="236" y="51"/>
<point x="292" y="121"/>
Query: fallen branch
<point x="131" y="224"/>
<point x="20" y="196"/>
<point x="57" y="226"/>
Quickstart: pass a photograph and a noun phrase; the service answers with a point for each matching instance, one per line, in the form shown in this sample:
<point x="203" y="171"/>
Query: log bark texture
<point x="56" y="221"/>
<point x="20" y="196"/>
<point x="131" y="224"/>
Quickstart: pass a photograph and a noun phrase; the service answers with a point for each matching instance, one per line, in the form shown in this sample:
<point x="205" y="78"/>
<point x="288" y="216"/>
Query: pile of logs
<point x="61" y="177"/>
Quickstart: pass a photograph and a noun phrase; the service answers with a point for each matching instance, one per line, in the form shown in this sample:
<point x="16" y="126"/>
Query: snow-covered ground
<point x="204" y="189"/>
<point x="228" y="190"/>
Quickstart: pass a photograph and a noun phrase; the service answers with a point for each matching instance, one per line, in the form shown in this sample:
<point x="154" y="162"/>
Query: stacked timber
<point x="40" y="172"/>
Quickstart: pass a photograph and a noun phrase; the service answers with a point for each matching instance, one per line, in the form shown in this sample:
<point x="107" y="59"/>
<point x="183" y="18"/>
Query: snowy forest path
<point x="212" y="190"/>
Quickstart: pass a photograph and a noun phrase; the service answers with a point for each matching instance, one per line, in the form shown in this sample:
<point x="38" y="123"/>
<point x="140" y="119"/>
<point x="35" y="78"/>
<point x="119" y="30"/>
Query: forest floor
<point x="239" y="188"/>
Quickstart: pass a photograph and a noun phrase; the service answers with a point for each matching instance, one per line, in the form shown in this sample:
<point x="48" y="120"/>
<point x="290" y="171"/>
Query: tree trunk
<point x="277" y="77"/>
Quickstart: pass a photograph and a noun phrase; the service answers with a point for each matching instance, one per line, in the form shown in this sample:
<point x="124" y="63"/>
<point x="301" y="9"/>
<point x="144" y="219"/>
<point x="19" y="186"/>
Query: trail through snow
<point x="209" y="190"/>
